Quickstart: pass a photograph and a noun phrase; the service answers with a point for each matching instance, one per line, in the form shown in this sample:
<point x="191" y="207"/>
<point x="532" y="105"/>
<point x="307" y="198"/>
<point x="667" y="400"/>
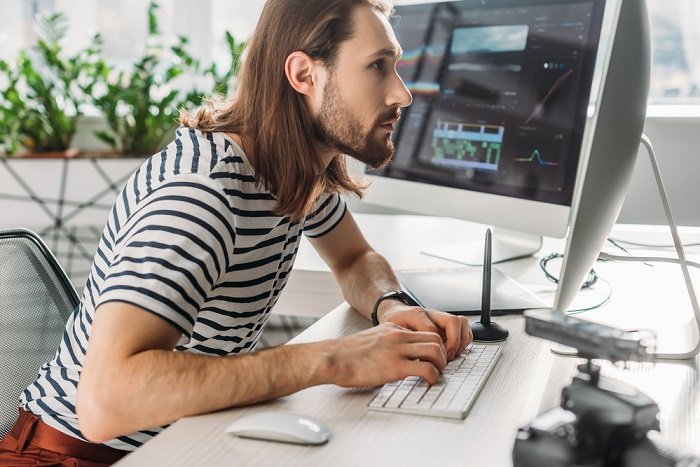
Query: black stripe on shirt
<point x="250" y="196"/>
<point x="233" y="176"/>
<point x="220" y="327"/>
<point x="263" y="244"/>
<point x="163" y="157"/>
<point x="212" y="146"/>
<point x="193" y="238"/>
<point x="248" y="299"/>
<point x="220" y="338"/>
<point x="157" y="297"/>
<point x="246" y="283"/>
<point x="137" y="193"/>
<point x="323" y="205"/>
<point x="149" y="174"/>
<point x="195" y="151"/>
<point x="234" y="159"/>
<point x="321" y="234"/>
<point x="192" y="259"/>
<point x="315" y="223"/>
<point x="162" y="279"/>
<point x="254" y="264"/>
<point x="178" y="156"/>
<point x="58" y="420"/>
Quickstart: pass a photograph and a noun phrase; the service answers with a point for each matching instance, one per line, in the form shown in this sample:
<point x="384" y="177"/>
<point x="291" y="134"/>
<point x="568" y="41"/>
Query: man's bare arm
<point x="132" y="379"/>
<point x="364" y="275"/>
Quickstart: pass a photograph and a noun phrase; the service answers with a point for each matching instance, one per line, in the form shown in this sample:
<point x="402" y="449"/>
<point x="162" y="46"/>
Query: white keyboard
<point x="453" y="394"/>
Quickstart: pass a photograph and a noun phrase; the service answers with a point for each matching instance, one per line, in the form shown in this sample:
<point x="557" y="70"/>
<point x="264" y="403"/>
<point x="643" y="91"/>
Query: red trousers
<point x="33" y="442"/>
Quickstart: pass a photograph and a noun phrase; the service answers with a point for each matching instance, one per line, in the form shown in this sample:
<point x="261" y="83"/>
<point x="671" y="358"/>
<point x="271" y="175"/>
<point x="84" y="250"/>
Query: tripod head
<point x="607" y="404"/>
<point x="600" y="421"/>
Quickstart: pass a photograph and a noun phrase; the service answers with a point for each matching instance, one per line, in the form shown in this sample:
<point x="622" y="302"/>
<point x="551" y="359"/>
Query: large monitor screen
<point x="501" y="89"/>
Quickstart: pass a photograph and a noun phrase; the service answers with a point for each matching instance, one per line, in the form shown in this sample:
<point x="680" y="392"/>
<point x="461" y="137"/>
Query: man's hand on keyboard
<point x="454" y="330"/>
<point x="384" y="353"/>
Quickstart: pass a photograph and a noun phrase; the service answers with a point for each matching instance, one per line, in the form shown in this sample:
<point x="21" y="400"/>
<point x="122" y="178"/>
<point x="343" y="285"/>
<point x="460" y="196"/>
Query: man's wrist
<point x="397" y="295"/>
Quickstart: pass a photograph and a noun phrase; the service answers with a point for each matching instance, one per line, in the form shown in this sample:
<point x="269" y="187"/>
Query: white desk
<point x="527" y="380"/>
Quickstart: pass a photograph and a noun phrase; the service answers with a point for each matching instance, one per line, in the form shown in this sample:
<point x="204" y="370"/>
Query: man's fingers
<point x="428" y="352"/>
<point x="414" y="318"/>
<point x="409" y="336"/>
<point x="467" y="335"/>
<point x="423" y="337"/>
<point x="453" y="336"/>
<point x="424" y="323"/>
<point x="425" y="370"/>
<point x="455" y="329"/>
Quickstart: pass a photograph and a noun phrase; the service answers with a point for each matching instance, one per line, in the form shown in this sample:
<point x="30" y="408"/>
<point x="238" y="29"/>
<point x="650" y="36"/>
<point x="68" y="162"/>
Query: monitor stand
<point x="685" y="343"/>
<point x="507" y="245"/>
<point x="675" y="340"/>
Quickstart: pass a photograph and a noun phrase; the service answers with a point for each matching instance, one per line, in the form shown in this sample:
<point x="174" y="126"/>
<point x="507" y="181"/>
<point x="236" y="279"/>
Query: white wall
<point x="676" y="141"/>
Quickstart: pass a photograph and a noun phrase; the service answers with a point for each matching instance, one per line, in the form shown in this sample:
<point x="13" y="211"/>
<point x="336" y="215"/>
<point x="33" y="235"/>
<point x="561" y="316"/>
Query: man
<point x="200" y="243"/>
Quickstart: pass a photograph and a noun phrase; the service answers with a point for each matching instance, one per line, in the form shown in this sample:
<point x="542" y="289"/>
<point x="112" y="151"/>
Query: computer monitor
<point x="527" y="116"/>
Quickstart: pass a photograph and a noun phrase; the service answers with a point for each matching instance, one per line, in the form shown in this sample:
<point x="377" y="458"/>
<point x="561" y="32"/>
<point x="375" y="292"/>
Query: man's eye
<point x="378" y="65"/>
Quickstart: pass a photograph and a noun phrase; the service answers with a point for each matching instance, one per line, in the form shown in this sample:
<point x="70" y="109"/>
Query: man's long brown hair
<point x="271" y="116"/>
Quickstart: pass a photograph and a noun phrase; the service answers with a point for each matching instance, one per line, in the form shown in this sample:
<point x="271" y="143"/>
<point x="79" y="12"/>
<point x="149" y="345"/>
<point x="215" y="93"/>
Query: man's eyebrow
<point x="387" y="52"/>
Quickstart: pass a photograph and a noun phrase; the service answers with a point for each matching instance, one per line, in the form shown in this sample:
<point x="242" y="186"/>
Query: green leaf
<point x="108" y="138"/>
<point x="173" y="72"/>
<point x="153" y="19"/>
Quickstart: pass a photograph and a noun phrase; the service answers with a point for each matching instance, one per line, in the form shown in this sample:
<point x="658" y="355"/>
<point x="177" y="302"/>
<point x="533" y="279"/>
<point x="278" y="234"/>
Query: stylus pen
<point x="486" y="282"/>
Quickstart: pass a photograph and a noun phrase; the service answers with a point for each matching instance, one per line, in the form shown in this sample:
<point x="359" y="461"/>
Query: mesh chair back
<point x="36" y="299"/>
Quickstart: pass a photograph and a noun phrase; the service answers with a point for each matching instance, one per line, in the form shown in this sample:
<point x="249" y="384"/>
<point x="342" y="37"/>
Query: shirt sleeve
<point x="172" y="250"/>
<point x="328" y="212"/>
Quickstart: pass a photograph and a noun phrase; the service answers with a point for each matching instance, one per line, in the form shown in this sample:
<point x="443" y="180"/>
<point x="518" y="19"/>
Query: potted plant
<point x="43" y="92"/>
<point x="141" y="107"/>
<point x="41" y="97"/>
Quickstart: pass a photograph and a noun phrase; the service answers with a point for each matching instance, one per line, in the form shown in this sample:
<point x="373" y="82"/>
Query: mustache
<point x="393" y="114"/>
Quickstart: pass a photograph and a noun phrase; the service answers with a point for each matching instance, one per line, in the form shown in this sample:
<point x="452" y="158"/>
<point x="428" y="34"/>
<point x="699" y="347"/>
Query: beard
<point x="336" y="126"/>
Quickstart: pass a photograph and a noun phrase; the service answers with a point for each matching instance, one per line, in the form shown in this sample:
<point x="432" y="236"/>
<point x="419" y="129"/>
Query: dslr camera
<point x="601" y="422"/>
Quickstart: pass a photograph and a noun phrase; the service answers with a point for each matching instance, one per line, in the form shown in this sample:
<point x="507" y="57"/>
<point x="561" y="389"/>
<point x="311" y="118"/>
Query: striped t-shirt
<point x="193" y="239"/>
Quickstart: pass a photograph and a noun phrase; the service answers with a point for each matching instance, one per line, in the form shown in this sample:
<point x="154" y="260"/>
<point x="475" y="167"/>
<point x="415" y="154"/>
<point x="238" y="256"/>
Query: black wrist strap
<point x="396" y="295"/>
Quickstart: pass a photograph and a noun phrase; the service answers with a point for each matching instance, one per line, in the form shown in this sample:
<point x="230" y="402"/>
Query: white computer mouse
<point x="286" y="427"/>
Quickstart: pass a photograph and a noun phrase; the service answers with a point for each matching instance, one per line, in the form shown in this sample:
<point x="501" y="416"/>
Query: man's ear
<point x="301" y="71"/>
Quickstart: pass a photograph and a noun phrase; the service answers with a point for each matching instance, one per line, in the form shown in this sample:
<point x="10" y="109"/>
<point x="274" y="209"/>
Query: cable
<point x="658" y="259"/>
<point x="605" y="301"/>
<point x="592" y="275"/>
<point x="617" y="245"/>
<point x="593" y="278"/>
<point x="650" y="245"/>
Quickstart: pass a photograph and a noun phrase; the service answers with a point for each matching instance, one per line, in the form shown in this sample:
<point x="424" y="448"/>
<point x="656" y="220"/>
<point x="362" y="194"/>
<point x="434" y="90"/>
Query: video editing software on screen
<point x="500" y="96"/>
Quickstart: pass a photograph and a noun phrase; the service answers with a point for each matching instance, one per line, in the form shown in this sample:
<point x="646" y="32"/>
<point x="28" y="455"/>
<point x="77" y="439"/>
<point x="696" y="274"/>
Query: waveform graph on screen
<point x="536" y="158"/>
<point x="467" y="145"/>
<point x="539" y="153"/>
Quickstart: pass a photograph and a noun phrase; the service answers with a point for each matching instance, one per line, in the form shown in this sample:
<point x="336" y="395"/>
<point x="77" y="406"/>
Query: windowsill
<point x="666" y="111"/>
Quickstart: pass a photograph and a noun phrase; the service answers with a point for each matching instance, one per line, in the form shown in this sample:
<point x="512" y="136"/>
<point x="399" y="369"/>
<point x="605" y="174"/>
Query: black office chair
<point x="36" y="299"/>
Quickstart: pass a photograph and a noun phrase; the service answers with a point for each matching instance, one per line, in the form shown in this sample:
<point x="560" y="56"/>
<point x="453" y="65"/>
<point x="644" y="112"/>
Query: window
<point x="676" y="38"/>
<point x="238" y="18"/>
<point x="676" y="46"/>
<point x="123" y="25"/>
